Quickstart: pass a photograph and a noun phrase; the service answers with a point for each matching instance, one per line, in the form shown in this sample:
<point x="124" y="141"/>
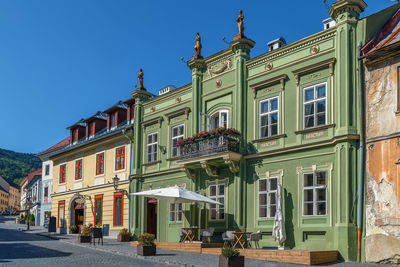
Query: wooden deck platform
<point x="306" y="257"/>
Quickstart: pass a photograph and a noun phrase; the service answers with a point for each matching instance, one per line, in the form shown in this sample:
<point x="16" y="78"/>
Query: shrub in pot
<point x="230" y="257"/>
<point x="31" y="220"/>
<point x="85" y="235"/>
<point x="124" y="235"/>
<point x="73" y="229"/>
<point x="146" y="245"/>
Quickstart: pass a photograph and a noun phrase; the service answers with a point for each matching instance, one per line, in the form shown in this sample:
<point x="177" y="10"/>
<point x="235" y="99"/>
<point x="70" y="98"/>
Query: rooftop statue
<point x="239" y="21"/>
<point x="197" y="47"/>
<point x="140" y="79"/>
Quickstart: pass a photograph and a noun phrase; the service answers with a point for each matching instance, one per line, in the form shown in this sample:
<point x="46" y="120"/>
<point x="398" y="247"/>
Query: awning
<point x="176" y="194"/>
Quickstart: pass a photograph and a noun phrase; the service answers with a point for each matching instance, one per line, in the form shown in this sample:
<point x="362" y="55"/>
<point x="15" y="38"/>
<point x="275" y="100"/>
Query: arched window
<point x="220" y="119"/>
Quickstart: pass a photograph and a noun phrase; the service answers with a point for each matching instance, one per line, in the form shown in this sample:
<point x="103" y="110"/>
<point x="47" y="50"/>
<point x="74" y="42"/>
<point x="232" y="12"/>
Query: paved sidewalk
<point x="177" y="258"/>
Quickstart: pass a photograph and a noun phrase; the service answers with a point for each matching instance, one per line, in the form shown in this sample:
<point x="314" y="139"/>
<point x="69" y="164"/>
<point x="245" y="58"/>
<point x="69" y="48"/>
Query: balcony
<point x="210" y="151"/>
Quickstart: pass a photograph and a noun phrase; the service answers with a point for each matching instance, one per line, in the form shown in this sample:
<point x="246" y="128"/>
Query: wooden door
<point x="152" y="216"/>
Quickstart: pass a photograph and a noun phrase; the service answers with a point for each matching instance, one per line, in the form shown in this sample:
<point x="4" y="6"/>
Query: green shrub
<point x="22" y="216"/>
<point x="31" y="217"/>
<point x="230" y="252"/>
<point x="73" y="228"/>
<point x="146" y="239"/>
<point x="86" y="230"/>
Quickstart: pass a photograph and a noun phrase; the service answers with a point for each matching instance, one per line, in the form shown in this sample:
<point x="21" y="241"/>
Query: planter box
<point x="231" y="262"/>
<point x="146" y="250"/>
<point x="123" y="238"/>
<point x="84" y="238"/>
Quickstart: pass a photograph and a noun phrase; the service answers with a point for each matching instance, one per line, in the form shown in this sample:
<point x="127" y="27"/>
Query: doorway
<point x="152" y="216"/>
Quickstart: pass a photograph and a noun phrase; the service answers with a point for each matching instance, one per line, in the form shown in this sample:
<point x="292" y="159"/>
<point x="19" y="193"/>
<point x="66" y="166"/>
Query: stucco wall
<point x="382" y="174"/>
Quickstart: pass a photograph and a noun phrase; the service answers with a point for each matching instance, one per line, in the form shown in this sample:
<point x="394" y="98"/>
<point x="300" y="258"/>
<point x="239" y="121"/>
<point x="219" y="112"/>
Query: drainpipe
<point x="361" y="152"/>
<point x="130" y="173"/>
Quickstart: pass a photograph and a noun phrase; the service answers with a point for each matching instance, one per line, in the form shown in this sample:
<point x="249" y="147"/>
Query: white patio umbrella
<point x="278" y="232"/>
<point x="176" y="194"/>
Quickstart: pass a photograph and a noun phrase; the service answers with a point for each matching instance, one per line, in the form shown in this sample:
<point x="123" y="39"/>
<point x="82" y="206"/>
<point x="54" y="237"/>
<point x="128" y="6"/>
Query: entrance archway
<point x="152" y="216"/>
<point x="77" y="209"/>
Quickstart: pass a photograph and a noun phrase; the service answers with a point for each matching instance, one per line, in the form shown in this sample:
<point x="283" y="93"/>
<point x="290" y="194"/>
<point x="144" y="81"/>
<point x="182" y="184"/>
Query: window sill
<point x="174" y="158"/>
<point x="316" y="129"/>
<point x="151" y="163"/>
<point x="269" y="138"/>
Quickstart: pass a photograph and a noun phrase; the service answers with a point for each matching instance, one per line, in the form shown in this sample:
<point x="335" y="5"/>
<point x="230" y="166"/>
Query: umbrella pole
<point x="198" y="232"/>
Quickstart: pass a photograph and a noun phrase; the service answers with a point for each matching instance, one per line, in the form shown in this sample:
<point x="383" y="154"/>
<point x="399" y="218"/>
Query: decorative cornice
<point x="332" y="141"/>
<point x="178" y="112"/>
<point x="278" y="79"/>
<point x="291" y="47"/>
<point x="152" y="121"/>
<point x="87" y="188"/>
<point x="314" y="67"/>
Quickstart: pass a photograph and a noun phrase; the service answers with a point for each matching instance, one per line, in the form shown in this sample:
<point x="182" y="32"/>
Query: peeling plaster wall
<point x="381" y="86"/>
<point x="382" y="242"/>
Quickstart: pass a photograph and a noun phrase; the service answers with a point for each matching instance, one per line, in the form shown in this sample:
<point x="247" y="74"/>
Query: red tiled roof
<point x="32" y="175"/>
<point x="61" y="144"/>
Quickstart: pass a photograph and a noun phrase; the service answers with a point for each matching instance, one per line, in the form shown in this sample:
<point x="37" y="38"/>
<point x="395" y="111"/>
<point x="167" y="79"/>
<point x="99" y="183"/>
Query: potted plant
<point x="73" y="229"/>
<point x="85" y="235"/>
<point x="32" y="220"/>
<point x="230" y="257"/>
<point x="124" y="235"/>
<point x="146" y="245"/>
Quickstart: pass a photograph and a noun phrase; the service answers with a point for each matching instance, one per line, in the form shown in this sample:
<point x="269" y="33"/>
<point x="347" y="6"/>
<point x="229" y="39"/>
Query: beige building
<point x="83" y="172"/>
<point x="3" y="199"/>
<point x="14" y="198"/>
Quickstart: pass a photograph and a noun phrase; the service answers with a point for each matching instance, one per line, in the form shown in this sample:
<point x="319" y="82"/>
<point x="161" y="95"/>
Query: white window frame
<point x="151" y="145"/>
<point x="216" y="197"/>
<point x="175" y="212"/>
<point x="219" y="112"/>
<point x="268" y="114"/>
<point x="314" y="101"/>
<point x="267" y="192"/>
<point x="182" y="136"/>
<point x="315" y="187"/>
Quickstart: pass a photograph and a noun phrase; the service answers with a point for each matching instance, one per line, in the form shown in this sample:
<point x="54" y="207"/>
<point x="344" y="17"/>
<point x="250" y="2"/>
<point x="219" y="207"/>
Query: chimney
<point x="328" y="23"/>
<point x="166" y="89"/>
<point x="277" y="43"/>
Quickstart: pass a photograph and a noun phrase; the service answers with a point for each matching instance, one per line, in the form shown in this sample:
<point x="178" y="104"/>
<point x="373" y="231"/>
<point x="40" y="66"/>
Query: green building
<point x="296" y="108"/>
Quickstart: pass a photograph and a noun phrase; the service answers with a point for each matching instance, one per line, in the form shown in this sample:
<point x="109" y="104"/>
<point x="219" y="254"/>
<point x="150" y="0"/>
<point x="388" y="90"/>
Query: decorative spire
<point x="197" y="47"/>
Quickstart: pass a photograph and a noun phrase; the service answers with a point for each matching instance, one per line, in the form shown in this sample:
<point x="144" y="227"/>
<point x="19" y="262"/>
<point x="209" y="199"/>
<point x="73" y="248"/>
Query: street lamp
<point x="116" y="184"/>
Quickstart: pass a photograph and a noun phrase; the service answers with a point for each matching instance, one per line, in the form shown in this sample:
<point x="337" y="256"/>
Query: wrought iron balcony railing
<point x="210" y="145"/>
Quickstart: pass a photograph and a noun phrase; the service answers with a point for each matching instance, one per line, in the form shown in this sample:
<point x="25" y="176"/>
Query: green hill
<point x="14" y="166"/>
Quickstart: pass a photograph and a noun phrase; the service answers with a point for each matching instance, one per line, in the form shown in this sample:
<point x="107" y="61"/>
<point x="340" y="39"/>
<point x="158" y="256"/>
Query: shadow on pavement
<point x="10" y="235"/>
<point x="28" y="251"/>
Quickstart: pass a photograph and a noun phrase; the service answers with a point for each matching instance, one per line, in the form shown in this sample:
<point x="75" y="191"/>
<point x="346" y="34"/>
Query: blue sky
<point x="64" y="60"/>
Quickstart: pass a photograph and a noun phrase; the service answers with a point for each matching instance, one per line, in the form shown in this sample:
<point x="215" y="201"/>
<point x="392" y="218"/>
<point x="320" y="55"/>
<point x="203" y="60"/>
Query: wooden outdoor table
<point x="189" y="233"/>
<point x="241" y="238"/>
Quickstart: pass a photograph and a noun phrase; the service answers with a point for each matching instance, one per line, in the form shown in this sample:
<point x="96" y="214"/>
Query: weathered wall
<point x="381" y="86"/>
<point x="382" y="174"/>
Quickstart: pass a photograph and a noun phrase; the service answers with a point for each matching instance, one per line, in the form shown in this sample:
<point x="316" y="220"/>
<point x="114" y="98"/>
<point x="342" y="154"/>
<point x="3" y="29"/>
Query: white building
<point x="46" y="184"/>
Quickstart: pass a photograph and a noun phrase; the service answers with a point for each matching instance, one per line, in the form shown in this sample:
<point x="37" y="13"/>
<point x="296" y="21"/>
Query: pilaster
<point x="197" y="66"/>
<point x="346" y="14"/>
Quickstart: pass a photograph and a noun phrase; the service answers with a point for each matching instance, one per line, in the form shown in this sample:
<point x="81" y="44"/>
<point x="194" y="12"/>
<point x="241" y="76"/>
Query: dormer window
<point x="114" y="121"/>
<point x="91" y="129"/>
<point x="75" y="135"/>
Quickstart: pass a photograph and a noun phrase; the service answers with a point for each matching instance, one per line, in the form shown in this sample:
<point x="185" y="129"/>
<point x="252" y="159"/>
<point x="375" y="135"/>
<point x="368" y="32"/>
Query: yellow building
<point x="3" y="200"/>
<point x="83" y="172"/>
<point x="14" y="197"/>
